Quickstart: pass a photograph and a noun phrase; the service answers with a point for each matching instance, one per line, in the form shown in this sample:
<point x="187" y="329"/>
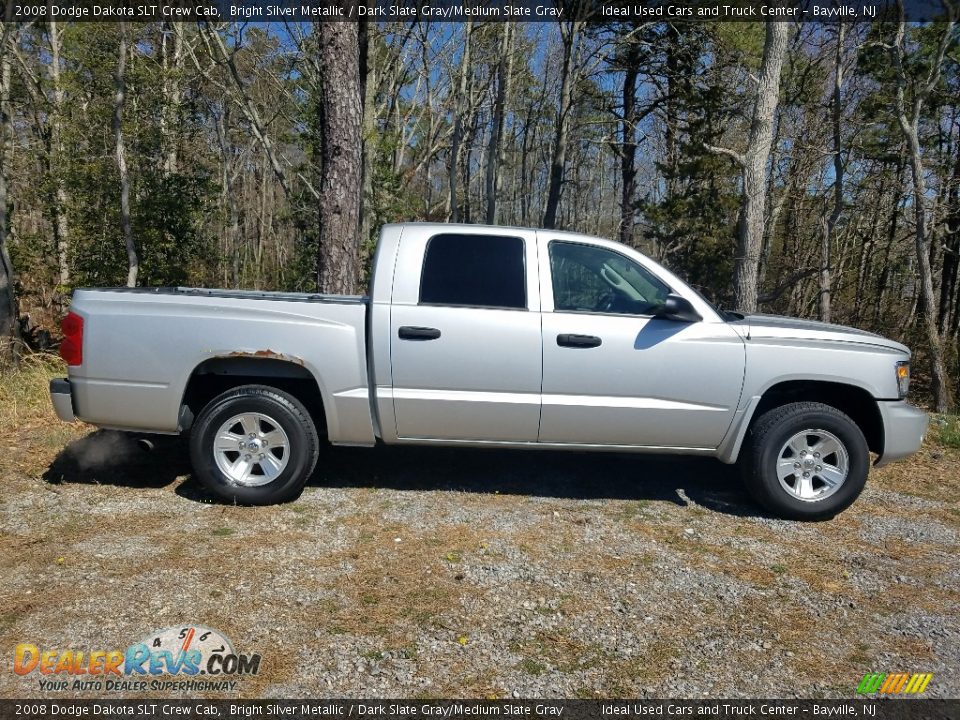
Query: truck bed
<point x="142" y="347"/>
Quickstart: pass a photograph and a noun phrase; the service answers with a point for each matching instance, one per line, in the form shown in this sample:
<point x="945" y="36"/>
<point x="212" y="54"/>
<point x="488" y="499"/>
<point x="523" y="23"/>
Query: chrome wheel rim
<point x="813" y="465"/>
<point x="251" y="449"/>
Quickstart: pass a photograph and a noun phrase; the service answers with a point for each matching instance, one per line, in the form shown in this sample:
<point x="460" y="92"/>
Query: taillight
<point x="71" y="349"/>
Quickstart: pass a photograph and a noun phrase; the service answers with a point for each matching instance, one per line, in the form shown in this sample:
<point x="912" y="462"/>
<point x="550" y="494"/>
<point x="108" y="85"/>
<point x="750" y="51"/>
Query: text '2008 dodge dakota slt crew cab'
<point x="491" y="336"/>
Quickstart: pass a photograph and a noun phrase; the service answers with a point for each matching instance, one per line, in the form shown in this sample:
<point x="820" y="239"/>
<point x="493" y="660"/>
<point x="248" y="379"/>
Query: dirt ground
<point x="450" y="573"/>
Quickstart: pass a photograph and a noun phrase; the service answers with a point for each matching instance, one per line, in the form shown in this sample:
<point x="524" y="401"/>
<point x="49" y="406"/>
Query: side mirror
<point x="678" y="308"/>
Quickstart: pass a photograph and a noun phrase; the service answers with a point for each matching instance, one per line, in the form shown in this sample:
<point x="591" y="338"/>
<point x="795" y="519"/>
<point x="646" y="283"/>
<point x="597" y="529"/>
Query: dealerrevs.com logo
<point x="199" y="658"/>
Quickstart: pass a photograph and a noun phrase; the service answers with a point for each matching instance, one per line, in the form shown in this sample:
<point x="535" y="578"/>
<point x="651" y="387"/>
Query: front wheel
<point x="254" y="445"/>
<point x="806" y="461"/>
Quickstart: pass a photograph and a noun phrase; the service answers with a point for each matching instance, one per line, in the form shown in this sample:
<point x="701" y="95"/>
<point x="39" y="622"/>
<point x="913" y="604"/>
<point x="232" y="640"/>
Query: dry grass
<point x="25" y="408"/>
<point x="24" y="390"/>
<point x="398" y="579"/>
<point x="930" y="474"/>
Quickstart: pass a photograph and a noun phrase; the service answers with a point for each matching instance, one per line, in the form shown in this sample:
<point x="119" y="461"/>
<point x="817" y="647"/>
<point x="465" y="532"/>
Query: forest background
<point x="803" y="169"/>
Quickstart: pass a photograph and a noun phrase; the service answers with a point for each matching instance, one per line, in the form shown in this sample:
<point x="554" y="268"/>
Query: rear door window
<point x="485" y="271"/>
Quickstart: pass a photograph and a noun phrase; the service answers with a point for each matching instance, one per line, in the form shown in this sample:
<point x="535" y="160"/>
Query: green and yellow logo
<point x="894" y="683"/>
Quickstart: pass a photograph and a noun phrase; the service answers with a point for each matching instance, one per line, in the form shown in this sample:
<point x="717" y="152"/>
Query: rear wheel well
<point x="853" y="401"/>
<point x="213" y="377"/>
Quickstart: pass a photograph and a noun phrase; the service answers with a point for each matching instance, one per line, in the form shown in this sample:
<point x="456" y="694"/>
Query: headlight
<point x="903" y="378"/>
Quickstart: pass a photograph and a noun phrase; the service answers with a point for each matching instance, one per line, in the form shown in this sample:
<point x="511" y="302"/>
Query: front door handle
<point x="578" y="341"/>
<point x="409" y="332"/>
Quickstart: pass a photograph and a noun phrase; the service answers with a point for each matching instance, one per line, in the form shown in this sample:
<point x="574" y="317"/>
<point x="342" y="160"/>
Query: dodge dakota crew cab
<point x="490" y="336"/>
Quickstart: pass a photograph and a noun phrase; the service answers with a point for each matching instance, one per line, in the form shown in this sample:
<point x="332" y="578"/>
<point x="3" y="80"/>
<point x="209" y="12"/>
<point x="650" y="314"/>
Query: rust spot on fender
<point x="267" y="353"/>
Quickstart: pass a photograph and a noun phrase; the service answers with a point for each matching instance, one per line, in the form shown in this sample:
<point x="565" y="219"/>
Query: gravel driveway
<point x="436" y="573"/>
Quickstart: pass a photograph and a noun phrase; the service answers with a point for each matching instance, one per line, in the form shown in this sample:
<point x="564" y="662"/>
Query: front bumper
<point x="904" y="428"/>
<point x="62" y="398"/>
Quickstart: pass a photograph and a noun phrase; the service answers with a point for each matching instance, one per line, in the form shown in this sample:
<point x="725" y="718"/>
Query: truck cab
<point x="514" y="336"/>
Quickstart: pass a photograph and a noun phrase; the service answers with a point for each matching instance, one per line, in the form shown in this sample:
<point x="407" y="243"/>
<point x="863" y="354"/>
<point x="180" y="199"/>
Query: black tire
<point x="762" y="452"/>
<point x="271" y="407"/>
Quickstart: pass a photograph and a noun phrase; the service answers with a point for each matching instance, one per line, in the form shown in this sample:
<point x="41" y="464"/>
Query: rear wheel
<point x="254" y="445"/>
<point x="806" y="461"/>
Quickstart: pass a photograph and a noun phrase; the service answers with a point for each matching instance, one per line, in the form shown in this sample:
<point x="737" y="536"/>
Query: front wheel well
<point x="855" y="402"/>
<point x="217" y="375"/>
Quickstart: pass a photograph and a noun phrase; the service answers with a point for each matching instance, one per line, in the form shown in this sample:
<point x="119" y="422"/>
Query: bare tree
<point x="628" y="55"/>
<point x="120" y="84"/>
<point x="171" y="58"/>
<point x="368" y="91"/>
<point x="911" y="95"/>
<point x="228" y="197"/>
<point x="8" y="299"/>
<point x="238" y="90"/>
<point x="341" y="151"/>
<point x="951" y="250"/>
<point x="56" y="154"/>
<point x="494" y="180"/>
<point x="628" y="153"/>
<point x="753" y="167"/>
<point x="830" y="227"/>
<point x="459" y="112"/>
<point x="48" y="113"/>
<point x="569" y="34"/>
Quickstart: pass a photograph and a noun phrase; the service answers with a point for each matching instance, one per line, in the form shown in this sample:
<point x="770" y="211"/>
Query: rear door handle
<point x="409" y="332"/>
<point x="578" y="341"/>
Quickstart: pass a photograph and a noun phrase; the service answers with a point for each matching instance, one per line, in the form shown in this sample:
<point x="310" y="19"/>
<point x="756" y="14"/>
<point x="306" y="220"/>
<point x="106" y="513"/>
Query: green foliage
<point x="168" y="208"/>
<point x="882" y="135"/>
<point x="170" y="213"/>
<point x="945" y="430"/>
<point x="739" y="43"/>
<point x="98" y="256"/>
<point x="692" y="218"/>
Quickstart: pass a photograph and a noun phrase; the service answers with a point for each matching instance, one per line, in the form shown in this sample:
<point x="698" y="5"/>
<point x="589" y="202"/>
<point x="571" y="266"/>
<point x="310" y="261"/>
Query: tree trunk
<point x="525" y="190"/>
<point x="951" y="248"/>
<point x="955" y="323"/>
<point x="171" y="49"/>
<point x="831" y="224"/>
<point x="677" y="82"/>
<point x="910" y="125"/>
<point x="341" y="151"/>
<point x="893" y="227"/>
<point x="466" y="151"/>
<point x="459" y="110"/>
<point x="228" y="199"/>
<point x="120" y="83"/>
<point x="753" y="209"/>
<point x="628" y="154"/>
<point x="8" y="298"/>
<point x="368" y="87"/>
<point x="494" y="178"/>
<point x="558" y="162"/>
<point x="56" y="157"/>
<point x="866" y="264"/>
<point x="938" y="369"/>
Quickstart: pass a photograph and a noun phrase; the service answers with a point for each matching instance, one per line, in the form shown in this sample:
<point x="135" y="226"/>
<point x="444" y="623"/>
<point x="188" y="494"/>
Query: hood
<point x="778" y="327"/>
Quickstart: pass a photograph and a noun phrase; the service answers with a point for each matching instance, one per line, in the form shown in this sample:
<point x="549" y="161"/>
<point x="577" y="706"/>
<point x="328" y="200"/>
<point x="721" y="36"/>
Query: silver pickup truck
<point x="491" y="336"/>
